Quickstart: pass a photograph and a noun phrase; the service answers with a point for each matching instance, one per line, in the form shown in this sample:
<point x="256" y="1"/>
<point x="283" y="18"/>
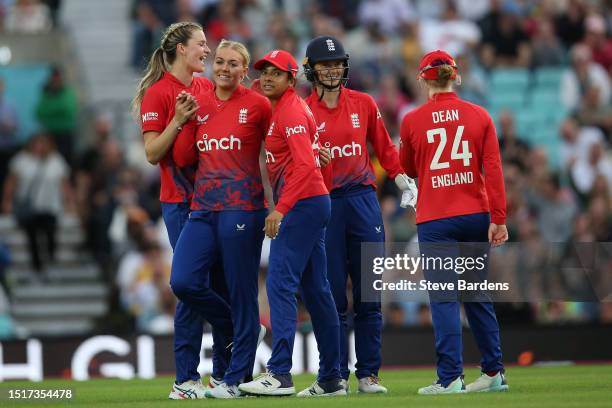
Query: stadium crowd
<point x="559" y="188"/>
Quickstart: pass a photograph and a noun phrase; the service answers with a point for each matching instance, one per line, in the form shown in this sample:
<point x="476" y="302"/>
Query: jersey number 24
<point x="464" y="154"/>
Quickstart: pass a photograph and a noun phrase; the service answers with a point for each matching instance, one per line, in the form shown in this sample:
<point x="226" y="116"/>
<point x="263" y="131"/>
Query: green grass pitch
<point x="561" y="386"/>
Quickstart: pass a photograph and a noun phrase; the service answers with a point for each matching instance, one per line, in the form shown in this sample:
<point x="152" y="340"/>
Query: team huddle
<point x="209" y="136"/>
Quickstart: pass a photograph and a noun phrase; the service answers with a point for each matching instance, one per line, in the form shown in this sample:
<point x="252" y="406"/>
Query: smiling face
<point x="329" y="73"/>
<point x="229" y="68"/>
<point x="274" y="82"/>
<point x="195" y="51"/>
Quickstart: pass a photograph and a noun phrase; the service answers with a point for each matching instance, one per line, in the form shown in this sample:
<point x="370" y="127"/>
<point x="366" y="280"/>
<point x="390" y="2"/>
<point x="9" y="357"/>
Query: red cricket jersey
<point x="157" y="110"/>
<point x="345" y="130"/>
<point x="452" y="147"/>
<point x="225" y="140"/>
<point x="292" y="153"/>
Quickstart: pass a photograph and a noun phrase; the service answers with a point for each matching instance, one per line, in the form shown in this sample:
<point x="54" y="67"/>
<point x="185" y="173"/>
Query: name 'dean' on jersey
<point x="452" y="147"/>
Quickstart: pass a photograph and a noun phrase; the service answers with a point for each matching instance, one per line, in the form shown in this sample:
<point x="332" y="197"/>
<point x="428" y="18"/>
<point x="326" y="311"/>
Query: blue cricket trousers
<point x="445" y="309"/>
<point x="297" y="263"/>
<point x="355" y="218"/>
<point x="234" y="238"/>
<point x="188" y="323"/>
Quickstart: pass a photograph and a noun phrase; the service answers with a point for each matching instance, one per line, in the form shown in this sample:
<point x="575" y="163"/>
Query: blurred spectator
<point x="391" y="103"/>
<point x="593" y="113"/>
<point x="228" y="24"/>
<point x="395" y="316"/>
<point x="511" y="147"/>
<point x="8" y="130"/>
<point x="388" y="15"/>
<point x="28" y="17"/>
<point x="554" y="208"/>
<point x="450" y="33"/>
<point x="54" y="7"/>
<point x="143" y="279"/>
<point x="599" y="212"/>
<point x="569" y="23"/>
<point x="150" y="17"/>
<point x="598" y="42"/>
<point x="586" y="170"/>
<point x="504" y="37"/>
<point x="583" y="74"/>
<point x="546" y="47"/>
<point x="100" y="202"/>
<point x="57" y="113"/>
<point x="473" y="85"/>
<point x="37" y="191"/>
<point x="576" y="142"/>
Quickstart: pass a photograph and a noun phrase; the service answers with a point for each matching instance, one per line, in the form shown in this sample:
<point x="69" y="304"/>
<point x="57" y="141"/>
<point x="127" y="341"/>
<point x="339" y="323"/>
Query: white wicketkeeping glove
<point x="409" y="191"/>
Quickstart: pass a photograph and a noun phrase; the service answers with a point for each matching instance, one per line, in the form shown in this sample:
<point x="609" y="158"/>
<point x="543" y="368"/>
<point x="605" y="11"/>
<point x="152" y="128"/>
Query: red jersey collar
<point x="239" y="91"/>
<point x="288" y="95"/>
<point x="169" y="77"/>
<point x="321" y="103"/>
<point x="443" y="96"/>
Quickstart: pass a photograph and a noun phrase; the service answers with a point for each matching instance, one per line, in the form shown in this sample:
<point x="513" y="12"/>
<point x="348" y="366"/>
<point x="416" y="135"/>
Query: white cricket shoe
<point x="486" y="383"/>
<point x="213" y="382"/>
<point x="188" y="390"/>
<point x="269" y="384"/>
<point x="224" y="391"/>
<point x="330" y="388"/>
<point x="345" y="384"/>
<point x="371" y="385"/>
<point x="455" y="387"/>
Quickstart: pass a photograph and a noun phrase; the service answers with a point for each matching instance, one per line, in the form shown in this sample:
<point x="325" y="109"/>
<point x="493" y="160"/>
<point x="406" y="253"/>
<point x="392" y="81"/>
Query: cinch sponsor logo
<point x="225" y="143"/>
<point x="353" y="149"/>
<point x="270" y="157"/>
<point x="150" y="116"/>
<point x="290" y="131"/>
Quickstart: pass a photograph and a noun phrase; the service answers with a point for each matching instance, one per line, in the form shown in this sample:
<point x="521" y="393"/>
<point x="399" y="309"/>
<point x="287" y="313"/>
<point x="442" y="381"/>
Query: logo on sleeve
<point x="355" y="120"/>
<point x="271" y="129"/>
<point x="290" y="131"/>
<point x="150" y="116"/>
<point x="242" y="116"/>
<point x="202" y="119"/>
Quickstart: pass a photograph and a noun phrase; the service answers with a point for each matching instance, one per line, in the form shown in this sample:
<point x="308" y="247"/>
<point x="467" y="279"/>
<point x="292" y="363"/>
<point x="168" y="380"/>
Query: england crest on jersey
<point x="242" y="116"/>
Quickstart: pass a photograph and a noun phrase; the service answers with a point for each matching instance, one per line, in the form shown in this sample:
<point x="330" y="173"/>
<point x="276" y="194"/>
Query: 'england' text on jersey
<point x="445" y="116"/>
<point x="453" y="179"/>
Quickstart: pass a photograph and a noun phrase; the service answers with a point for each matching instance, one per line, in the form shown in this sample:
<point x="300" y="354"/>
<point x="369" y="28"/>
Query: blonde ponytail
<point x="155" y="70"/>
<point x="163" y="57"/>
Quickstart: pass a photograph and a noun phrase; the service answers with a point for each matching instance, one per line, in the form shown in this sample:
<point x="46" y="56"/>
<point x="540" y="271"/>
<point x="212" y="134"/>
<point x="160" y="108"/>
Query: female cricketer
<point x="347" y="120"/>
<point x="297" y="225"/>
<point x="452" y="147"/>
<point x="227" y="210"/>
<point x="164" y="103"/>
